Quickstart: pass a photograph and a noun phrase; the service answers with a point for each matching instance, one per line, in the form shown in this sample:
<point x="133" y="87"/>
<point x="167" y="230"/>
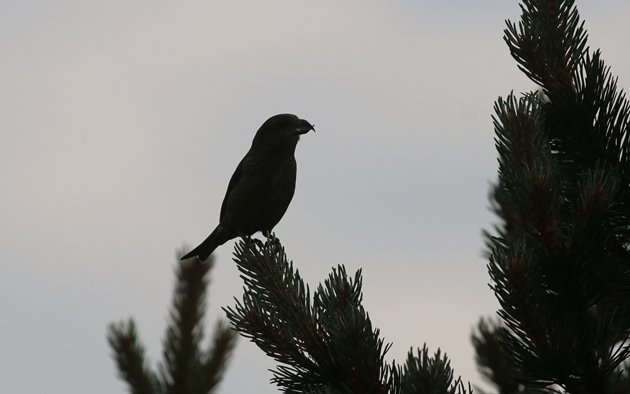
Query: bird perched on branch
<point x="262" y="185"/>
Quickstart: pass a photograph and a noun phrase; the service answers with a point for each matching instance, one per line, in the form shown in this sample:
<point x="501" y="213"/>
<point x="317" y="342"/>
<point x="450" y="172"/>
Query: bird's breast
<point x="263" y="194"/>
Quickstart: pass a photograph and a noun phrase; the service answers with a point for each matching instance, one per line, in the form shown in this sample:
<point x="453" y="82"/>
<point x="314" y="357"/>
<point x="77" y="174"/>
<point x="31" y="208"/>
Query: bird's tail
<point x="218" y="237"/>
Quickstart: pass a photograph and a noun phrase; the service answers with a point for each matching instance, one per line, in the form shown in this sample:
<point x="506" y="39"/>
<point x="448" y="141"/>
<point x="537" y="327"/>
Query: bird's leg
<point x="255" y="241"/>
<point x="267" y="234"/>
<point x="247" y="238"/>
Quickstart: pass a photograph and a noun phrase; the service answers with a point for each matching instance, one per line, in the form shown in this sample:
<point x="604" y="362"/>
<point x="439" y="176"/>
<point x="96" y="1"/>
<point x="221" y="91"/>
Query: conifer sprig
<point x="327" y="345"/>
<point x="130" y="359"/>
<point x="186" y="367"/>
<point x="559" y="259"/>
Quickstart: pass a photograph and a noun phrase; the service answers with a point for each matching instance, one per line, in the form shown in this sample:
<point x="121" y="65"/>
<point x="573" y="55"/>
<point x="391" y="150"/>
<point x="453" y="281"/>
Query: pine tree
<point x="488" y="340"/>
<point x="186" y="367"/>
<point x="324" y="343"/>
<point x="559" y="260"/>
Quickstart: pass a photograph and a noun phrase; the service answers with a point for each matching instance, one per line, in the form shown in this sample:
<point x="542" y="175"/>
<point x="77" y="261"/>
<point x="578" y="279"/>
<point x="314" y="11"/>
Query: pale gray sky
<point x="122" y="122"/>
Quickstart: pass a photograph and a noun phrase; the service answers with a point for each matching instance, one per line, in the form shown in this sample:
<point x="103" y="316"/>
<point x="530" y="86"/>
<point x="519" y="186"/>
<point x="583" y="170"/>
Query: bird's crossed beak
<point x="304" y="127"/>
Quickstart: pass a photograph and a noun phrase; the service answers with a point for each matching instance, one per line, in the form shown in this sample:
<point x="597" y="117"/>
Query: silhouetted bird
<point x="262" y="185"/>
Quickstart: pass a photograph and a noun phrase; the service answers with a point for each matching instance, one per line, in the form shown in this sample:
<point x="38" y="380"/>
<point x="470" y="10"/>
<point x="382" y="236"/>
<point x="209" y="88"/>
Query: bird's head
<point x="281" y="132"/>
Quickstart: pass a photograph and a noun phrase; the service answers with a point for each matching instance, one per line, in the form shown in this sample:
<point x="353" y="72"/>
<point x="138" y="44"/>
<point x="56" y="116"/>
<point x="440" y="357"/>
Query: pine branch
<point x="491" y="358"/>
<point x="427" y="374"/>
<point x="275" y="312"/>
<point x="313" y="344"/>
<point x="550" y="268"/>
<point x="325" y="346"/>
<point x="586" y="111"/>
<point x="216" y="358"/>
<point x="182" y="365"/>
<point x="185" y="368"/>
<point x="559" y="260"/>
<point x="548" y="42"/>
<point x="351" y="342"/>
<point x="129" y="357"/>
<point x="492" y="361"/>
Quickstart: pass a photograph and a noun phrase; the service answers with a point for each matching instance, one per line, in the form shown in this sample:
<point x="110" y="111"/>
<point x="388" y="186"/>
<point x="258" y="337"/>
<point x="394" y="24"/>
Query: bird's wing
<point x="233" y="181"/>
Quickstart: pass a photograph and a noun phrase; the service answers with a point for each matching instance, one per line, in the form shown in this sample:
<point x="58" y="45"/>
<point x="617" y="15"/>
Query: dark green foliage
<point x="182" y="362"/>
<point x="186" y="367"/>
<point x="492" y="363"/>
<point x="490" y="357"/>
<point x="129" y="356"/>
<point x="488" y="340"/>
<point x="560" y="259"/>
<point x="427" y="374"/>
<point x="327" y="345"/>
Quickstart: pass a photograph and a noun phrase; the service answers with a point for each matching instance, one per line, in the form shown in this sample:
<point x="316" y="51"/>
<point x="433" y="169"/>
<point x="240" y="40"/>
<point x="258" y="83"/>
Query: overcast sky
<point x="122" y="122"/>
